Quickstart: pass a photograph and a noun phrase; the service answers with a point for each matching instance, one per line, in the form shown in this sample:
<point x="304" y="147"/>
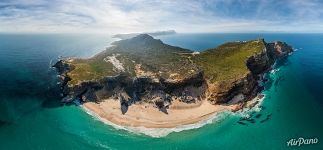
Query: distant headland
<point x="131" y="35"/>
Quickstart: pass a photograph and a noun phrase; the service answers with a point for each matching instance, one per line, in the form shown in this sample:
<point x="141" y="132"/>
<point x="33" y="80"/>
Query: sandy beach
<point x="146" y="115"/>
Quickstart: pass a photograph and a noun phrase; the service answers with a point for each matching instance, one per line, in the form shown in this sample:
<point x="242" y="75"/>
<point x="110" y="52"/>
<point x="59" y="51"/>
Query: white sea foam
<point x="245" y="112"/>
<point x="274" y="71"/>
<point x="161" y="132"/>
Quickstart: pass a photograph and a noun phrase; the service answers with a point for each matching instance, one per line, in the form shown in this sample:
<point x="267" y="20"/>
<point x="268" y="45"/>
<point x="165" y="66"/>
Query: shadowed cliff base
<point x="142" y="70"/>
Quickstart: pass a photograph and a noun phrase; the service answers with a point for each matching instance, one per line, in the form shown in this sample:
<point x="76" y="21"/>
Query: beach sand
<point x="146" y="115"/>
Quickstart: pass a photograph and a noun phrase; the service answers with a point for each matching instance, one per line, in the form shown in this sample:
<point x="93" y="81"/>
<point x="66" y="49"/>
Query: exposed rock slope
<point x="143" y="69"/>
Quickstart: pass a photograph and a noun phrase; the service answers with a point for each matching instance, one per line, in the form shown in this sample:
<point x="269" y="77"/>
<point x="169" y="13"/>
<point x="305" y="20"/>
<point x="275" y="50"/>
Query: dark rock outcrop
<point x="129" y="90"/>
<point x="258" y="65"/>
<point x="262" y="62"/>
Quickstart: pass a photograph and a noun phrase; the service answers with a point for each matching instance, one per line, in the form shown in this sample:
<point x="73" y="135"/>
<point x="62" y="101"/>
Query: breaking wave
<point x="162" y="132"/>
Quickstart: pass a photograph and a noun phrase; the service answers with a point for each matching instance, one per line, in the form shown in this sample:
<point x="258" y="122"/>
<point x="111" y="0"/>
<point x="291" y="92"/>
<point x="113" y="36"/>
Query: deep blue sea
<point x="31" y="116"/>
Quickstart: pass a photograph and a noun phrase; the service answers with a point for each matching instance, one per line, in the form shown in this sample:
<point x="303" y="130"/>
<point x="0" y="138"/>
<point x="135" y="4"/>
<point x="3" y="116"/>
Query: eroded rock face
<point x="161" y="91"/>
<point x="278" y="50"/>
<point x="62" y="67"/>
<point x="226" y="91"/>
<point x="248" y="85"/>
<point x="130" y="90"/>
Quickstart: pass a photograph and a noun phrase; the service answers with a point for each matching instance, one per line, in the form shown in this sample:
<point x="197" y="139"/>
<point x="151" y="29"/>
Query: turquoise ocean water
<point x="32" y="118"/>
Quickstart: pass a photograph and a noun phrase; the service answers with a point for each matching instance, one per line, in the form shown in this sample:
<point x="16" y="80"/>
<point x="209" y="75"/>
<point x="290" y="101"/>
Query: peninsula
<point x="143" y="82"/>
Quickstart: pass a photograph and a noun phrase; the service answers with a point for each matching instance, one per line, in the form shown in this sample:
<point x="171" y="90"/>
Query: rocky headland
<point x="142" y="81"/>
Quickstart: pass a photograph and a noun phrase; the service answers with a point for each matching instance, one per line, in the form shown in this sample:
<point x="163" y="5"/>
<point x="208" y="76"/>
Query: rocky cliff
<point x="248" y="85"/>
<point x="143" y="69"/>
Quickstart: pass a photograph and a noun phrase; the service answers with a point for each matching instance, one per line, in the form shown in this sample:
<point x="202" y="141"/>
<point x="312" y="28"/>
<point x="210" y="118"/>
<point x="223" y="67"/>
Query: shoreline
<point x="231" y="94"/>
<point x="147" y="120"/>
<point x="146" y="115"/>
<point x="158" y="132"/>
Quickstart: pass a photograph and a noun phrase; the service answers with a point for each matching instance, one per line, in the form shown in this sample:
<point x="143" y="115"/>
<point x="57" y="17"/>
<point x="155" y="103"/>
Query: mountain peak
<point x="139" y="40"/>
<point x="131" y="35"/>
<point x="143" y="37"/>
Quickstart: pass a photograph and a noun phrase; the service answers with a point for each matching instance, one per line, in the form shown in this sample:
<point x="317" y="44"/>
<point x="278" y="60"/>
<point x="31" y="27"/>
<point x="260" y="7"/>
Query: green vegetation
<point x="228" y="61"/>
<point x="225" y="62"/>
<point x="153" y="56"/>
<point x="90" y="69"/>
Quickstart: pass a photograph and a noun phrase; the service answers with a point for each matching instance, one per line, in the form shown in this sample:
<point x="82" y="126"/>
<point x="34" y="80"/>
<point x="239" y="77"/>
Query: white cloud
<point x="108" y="16"/>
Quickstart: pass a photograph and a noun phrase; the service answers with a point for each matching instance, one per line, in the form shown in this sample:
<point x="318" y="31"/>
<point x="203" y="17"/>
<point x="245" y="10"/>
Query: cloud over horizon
<point x="124" y="16"/>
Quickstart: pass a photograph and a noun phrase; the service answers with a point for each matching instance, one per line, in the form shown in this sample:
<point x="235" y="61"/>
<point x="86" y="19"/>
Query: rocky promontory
<point x="146" y="70"/>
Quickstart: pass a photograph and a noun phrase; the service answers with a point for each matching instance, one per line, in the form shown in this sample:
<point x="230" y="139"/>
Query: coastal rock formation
<point x="157" y="73"/>
<point x="257" y="64"/>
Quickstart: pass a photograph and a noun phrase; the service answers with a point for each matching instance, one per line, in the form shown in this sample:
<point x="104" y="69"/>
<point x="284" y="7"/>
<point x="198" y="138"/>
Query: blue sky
<point x="124" y="16"/>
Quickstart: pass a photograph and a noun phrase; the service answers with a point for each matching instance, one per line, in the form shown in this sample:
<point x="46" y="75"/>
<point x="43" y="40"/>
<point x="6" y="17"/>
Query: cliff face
<point x="257" y="65"/>
<point x="165" y="81"/>
<point x="130" y="90"/>
<point x="273" y="51"/>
